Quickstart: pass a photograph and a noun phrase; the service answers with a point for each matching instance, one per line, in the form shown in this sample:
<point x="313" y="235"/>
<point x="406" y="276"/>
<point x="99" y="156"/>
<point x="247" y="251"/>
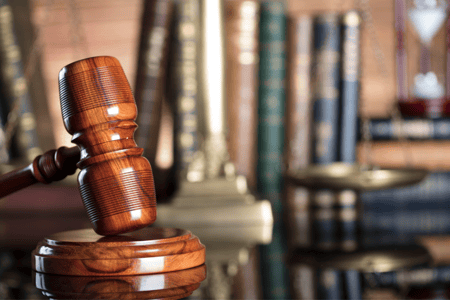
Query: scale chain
<point x="14" y="115"/>
<point x="395" y="113"/>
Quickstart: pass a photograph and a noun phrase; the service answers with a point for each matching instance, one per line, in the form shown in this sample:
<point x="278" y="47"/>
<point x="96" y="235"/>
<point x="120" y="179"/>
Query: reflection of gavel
<point x="116" y="182"/>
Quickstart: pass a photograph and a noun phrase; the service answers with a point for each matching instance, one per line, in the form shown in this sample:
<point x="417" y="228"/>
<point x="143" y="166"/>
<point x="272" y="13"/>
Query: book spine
<point x="431" y="155"/>
<point x="4" y="153"/>
<point x="327" y="43"/>
<point x="414" y="129"/>
<point x="15" y="87"/>
<point x="271" y="106"/>
<point x="325" y="112"/>
<point x="411" y="211"/>
<point x="433" y="191"/>
<point x="242" y="43"/>
<point x="417" y="277"/>
<point x="347" y="199"/>
<point x="303" y="282"/>
<point x="350" y="86"/>
<point x="353" y="289"/>
<point x="241" y="81"/>
<point x="151" y="72"/>
<point x="329" y="284"/>
<point x="186" y="82"/>
<point x="298" y="126"/>
<point x="348" y="214"/>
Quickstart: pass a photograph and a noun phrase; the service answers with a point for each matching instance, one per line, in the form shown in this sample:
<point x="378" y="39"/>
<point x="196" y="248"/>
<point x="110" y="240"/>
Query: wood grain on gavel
<point x="116" y="182"/>
<point x="98" y="109"/>
<point x="162" y="263"/>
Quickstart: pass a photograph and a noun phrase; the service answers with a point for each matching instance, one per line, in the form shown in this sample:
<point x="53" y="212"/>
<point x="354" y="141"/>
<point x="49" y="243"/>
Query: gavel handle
<point x="51" y="166"/>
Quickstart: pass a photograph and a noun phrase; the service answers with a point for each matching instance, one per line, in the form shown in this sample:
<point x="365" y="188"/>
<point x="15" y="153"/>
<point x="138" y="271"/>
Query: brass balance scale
<point x="367" y="177"/>
<point x="426" y="18"/>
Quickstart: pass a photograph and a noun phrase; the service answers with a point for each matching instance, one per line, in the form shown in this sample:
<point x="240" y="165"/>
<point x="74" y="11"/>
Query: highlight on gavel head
<point x="115" y="181"/>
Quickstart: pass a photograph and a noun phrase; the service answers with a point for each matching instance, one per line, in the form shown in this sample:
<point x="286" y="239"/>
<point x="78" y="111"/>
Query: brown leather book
<point x="298" y="125"/>
<point x="438" y="246"/>
<point x="241" y="83"/>
<point x="242" y="36"/>
<point x="298" y="146"/>
<point x="151" y="72"/>
<point x="431" y="155"/>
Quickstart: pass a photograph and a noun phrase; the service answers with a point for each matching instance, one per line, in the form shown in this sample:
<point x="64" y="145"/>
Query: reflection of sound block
<point x="170" y="285"/>
<point x="146" y="251"/>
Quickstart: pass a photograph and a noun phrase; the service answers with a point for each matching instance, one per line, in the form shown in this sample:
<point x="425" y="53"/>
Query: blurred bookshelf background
<point x="289" y="65"/>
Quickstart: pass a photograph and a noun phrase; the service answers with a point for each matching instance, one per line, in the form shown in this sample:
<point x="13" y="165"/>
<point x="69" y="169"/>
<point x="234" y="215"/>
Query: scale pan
<point x="342" y="176"/>
<point x="380" y="259"/>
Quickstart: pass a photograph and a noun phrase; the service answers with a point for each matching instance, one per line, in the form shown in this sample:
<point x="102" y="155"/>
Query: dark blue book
<point x="413" y="129"/>
<point x="397" y="216"/>
<point x="329" y="284"/>
<point x="186" y="15"/>
<point x="352" y="285"/>
<point x="348" y="215"/>
<point x="14" y="89"/>
<point x="351" y="65"/>
<point x="271" y="103"/>
<point x="327" y="43"/>
<point x="326" y="122"/>
<point x="416" y="277"/>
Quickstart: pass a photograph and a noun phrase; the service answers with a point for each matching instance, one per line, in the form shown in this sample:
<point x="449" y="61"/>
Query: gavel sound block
<point x="163" y="263"/>
<point x="115" y="181"/>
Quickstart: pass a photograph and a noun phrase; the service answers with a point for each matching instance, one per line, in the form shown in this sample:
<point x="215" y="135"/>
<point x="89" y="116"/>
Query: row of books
<point x="18" y="133"/>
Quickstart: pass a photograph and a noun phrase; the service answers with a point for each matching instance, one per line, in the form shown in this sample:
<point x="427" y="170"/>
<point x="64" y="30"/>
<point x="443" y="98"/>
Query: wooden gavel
<point x="115" y="181"/>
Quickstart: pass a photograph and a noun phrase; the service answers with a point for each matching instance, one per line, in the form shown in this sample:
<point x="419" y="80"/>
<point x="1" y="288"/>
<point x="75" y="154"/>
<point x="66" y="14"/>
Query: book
<point x="271" y="104"/>
<point x="326" y="123"/>
<point x="437" y="246"/>
<point x="349" y="104"/>
<point x="185" y="82"/>
<point x="15" y="91"/>
<point x="4" y="152"/>
<point x="398" y="216"/>
<point x="352" y="285"/>
<point x="242" y="62"/>
<point x="381" y="293"/>
<point x="329" y="284"/>
<point x="431" y="155"/>
<point x="298" y="127"/>
<point x="327" y="44"/>
<point x="417" y="277"/>
<point x="303" y="278"/>
<point x="246" y="283"/>
<point x="151" y="72"/>
<point x="410" y="128"/>
<point x="241" y="82"/>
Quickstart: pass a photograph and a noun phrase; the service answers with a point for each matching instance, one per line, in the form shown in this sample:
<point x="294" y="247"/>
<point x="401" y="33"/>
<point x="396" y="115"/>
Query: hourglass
<point x="427" y="60"/>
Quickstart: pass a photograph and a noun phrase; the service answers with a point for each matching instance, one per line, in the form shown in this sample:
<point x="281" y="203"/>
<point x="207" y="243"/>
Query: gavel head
<point x="115" y="181"/>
